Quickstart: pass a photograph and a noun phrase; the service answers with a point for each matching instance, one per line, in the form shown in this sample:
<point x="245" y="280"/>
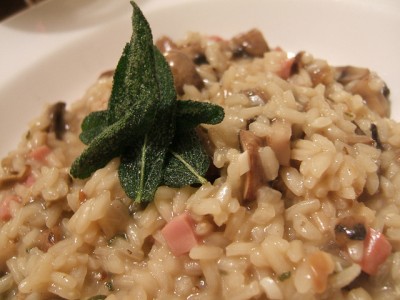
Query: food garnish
<point x="145" y="125"/>
<point x="284" y="276"/>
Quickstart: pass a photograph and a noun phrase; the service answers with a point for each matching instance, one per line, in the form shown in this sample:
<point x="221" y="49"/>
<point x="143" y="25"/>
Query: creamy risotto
<point x="302" y="201"/>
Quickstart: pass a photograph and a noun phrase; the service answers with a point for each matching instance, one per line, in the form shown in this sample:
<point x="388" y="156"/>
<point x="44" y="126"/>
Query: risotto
<point x="302" y="199"/>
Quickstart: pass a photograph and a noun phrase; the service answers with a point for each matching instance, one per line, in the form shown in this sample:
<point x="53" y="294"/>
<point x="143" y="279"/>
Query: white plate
<point x="55" y="50"/>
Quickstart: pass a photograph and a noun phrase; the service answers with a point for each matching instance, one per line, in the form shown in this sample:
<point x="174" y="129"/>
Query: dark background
<point x="10" y="7"/>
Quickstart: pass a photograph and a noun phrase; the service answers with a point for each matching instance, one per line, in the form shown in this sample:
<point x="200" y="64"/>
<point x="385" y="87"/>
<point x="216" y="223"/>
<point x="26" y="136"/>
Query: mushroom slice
<point x="297" y="63"/>
<point x="256" y="96"/>
<point x="348" y="74"/>
<point x="350" y="228"/>
<point x="251" y="43"/>
<point x="57" y="120"/>
<point x="165" y="44"/>
<point x="320" y="72"/>
<point x="14" y="177"/>
<point x="368" y="85"/>
<point x="318" y="69"/>
<point x="49" y="237"/>
<point x="193" y="49"/>
<point x="279" y="140"/>
<point x="184" y="70"/>
<point x="255" y="177"/>
<point x="195" y="52"/>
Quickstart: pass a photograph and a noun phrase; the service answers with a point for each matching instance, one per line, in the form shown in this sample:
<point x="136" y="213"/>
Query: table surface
<point x="11" y="7"/>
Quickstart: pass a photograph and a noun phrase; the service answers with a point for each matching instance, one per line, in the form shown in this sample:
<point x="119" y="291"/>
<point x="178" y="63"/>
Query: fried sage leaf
<point x="131" y="109"/>
<point x="187" y="162"/>
<point x="142" y="165"/>
<point x="190" y="114"/>
<point x="145" y="125"/>
<point x="93" y="125"/>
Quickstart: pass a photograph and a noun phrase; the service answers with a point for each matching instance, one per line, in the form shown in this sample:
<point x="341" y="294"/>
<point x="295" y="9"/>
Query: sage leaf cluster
<point x="145" y="125"/>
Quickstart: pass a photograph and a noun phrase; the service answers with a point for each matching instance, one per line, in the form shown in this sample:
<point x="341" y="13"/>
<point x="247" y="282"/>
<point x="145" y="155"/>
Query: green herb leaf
<point x="135" y="83"/>
<point x="104" y="147"/>
<point x="93" y="125"/>
<point x="284" y="276"/>
<point x="115" y="237"/>
<point x="187" y="162"/>
<point x="142" y="166"/>
<point x="131" y="108"/>
<point x="190" y="114"/>
<point x="145" y="125"/>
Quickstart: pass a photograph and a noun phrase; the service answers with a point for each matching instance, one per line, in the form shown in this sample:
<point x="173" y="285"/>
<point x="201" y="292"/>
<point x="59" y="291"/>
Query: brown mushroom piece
<point x="318" y="70"/>
<point x="297" y="63"/>
<point x="57" y="121"/>
<point x="184" y="70"/>
<point x="251" y="43"/>
<point x="165" y="44"/>
<point x="279" y="140"/>
<point x="195" y="52"/>
<point x="256" y="96"/>
<point x="255" y="177"/>
<point x="12" y="176"/>
<point x="49" y="237"/>
<point x="368" y="85"/>
<point x="375" y="136"/>
<point x="350" y="228"/>
<point x="361" y="137"/>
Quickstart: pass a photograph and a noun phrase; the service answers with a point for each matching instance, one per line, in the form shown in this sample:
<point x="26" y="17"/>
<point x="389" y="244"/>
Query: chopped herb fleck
<point x="375" y="136"/>
<point x="117" y="236"/>
<point x="109" y="285"/>
<point x="284" y="276"/>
